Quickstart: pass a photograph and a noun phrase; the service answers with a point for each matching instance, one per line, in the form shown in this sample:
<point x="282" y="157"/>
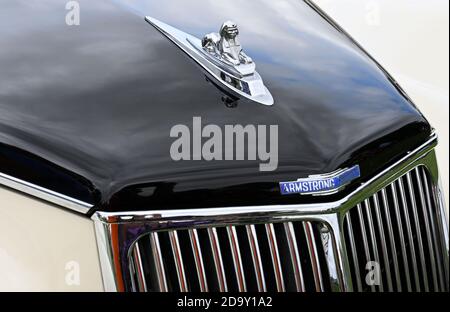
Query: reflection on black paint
<point x="96" y="102"/>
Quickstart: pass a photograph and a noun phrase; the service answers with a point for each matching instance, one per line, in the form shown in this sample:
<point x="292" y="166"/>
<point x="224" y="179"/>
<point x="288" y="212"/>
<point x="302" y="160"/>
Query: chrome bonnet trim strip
<point x="366" y="189"/>
<point x="83" y="207"/>
<point x="45" y="194"/>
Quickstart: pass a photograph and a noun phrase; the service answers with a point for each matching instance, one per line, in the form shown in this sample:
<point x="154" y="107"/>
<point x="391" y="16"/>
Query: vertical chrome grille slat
<point x="384" y="249"/>
<point x="434" y="232"/>
<point x="391" y="239"/>
<point x="237" y="259"/>
<point x="275" y="255"/>
<point x="364" y="237"/>
<point x="159" y="263"/>
<point x="354" y="252"/>
<point x="405" y="209"/>
<point x="256" y="257"/>
<point x="418" y="230"/>
<point x="217" y="259"/>
<point x="312" y="250"/>
<point x="178" y="259"/>
<point x="409" y="233"/>
<point x="373" y="238"/>
<point x="427" y="229"/>
<point x="402" y="237"/>
<point x="141" y="283"/>
<point x="198" y="259"/>
<point x="132" y="268"/>
<point x="294" y="256"/>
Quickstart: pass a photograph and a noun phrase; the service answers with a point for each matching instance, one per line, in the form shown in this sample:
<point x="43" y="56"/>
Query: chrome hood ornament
<point x="225" y="47"/>
<point x="222" y="56"/>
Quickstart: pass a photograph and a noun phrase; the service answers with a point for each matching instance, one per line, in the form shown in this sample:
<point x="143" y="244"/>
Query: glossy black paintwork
<point x="87" y="110"/>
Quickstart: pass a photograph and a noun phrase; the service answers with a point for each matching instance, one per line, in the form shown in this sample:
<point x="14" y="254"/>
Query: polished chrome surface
<point x="217" y="258"/>
<point x="337" y="253"/>
<point x="178" y="258"/>
<point x="312" y="251"/>
<point x="222" y="57"/>
<point x="332" y="255"/>
<point x="440" y="263"/>
<point x="294" y="256"/>
<point x="275" y="255"/>
<point x="139" y="268"/>
<point x="402" y="236"/>
<point x="382" y="236"/>
<point x="429" y="239"/>
<point x="391" y="238"/>
<point x="250" y="256"/>
<point x="237" y="259"/>
<point x="256" y="257"/>
<point x="418" y="231"/>
<point x="373" y="238"/>
<point x="226" y="48"/>
<point x="198" y="258"/>
<point x="408" y="201"/>
<point x="45" y="194"/>
<point x="407" y="221"/>
<point x="364" y="237"/>
<point x="354" y="253"/>
<point x="159" y="262"/>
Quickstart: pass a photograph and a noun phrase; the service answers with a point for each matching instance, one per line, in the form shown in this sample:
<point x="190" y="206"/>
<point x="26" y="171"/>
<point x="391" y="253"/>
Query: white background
<point x="410" y="38"/>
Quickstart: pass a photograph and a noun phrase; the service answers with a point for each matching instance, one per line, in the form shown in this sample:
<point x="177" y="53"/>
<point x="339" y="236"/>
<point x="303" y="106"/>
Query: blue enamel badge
<point x="321" y="184"/>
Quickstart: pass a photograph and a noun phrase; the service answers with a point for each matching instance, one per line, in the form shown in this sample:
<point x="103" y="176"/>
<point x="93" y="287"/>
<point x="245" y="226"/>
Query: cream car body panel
<point x="45" y="248"/>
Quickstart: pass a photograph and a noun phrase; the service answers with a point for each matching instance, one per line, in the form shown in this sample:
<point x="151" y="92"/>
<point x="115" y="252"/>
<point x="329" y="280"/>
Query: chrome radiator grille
<point x="393" y="224"/>
<point x="399" y="228"/>
<point x="264" y="257"/>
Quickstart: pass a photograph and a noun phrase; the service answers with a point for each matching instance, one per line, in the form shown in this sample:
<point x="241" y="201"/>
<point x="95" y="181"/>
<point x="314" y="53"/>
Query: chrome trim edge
<point x="45" y="194"/>
<point x="376" y="183"/>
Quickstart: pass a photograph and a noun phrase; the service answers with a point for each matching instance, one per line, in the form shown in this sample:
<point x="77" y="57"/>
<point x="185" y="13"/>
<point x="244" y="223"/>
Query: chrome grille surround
<point x="118" y="234"/>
